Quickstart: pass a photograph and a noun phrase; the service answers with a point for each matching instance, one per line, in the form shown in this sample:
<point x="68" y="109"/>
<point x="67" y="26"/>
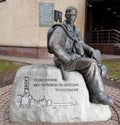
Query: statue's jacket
<point x="63" y="47"/>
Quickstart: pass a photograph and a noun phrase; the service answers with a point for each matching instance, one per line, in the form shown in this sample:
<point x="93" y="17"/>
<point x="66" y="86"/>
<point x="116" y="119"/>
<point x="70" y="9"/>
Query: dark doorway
<point x="102" y="21"/>
<point x="102" y="14"/>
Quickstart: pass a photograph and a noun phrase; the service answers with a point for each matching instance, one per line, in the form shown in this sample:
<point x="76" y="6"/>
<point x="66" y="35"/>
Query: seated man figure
<point x="69" y="50"/>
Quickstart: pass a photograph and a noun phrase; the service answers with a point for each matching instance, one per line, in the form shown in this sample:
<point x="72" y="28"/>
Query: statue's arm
<point x="55" y="45"/>
<point x="86" y="48"/>
<point x="89" y="50"/>
<point x="95" y="54"/>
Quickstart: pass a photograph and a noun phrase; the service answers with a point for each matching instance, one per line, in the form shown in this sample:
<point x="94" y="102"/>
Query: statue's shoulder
<point x="58" y="28"/>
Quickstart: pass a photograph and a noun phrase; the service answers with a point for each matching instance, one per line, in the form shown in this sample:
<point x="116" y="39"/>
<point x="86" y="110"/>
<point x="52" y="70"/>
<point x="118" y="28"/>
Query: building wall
<point x="19" y="21"/>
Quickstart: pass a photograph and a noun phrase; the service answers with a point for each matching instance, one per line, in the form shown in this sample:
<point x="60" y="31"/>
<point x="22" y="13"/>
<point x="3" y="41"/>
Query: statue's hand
<point x="74" y="56"/>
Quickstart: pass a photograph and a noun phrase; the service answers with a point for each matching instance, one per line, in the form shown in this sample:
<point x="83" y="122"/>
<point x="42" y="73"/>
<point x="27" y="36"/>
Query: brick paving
<point x="5" y="93"/>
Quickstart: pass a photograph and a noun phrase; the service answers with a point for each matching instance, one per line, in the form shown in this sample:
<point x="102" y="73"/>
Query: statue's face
<point x="71" y="16"/>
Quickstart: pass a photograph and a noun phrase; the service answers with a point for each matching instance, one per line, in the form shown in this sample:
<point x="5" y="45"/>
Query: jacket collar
<point x="69" y="27"/>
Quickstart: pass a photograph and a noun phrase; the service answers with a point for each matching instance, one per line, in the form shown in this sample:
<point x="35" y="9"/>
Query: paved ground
<point x="46" y="61"/>
<point x="28" y="60"/>
<point x="112" y="89"/>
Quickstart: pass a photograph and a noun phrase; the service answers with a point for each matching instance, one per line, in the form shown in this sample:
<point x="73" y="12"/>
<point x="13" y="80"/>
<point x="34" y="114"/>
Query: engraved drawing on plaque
<point x="46" y="14"/>
<point x="27" y="101"/>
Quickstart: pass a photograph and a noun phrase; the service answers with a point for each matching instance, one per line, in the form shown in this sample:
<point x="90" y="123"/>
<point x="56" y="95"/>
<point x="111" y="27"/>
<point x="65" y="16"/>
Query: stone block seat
<point x="40" y="95"/>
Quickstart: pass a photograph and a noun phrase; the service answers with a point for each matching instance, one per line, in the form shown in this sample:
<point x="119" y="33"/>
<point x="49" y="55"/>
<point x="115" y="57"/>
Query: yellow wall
<point x="19" y="21"/>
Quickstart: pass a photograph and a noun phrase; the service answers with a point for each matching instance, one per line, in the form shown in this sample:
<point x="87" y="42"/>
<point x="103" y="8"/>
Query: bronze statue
<point x="72" y="54"/>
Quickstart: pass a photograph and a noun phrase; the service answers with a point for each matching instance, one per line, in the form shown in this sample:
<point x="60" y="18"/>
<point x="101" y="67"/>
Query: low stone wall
<point x="31" y="52"/>
<point x="107" y="48"/>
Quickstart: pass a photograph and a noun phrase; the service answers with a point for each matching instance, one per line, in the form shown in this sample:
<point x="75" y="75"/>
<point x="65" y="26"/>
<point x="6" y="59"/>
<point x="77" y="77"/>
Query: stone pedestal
<point x="40" y="95"/>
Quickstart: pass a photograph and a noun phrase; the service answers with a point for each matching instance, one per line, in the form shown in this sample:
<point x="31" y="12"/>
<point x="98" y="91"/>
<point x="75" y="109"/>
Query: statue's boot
<point x="101" y="98"/>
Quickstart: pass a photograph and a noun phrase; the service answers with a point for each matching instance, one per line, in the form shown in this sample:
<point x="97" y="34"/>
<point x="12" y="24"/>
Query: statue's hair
<point x="69" y="8"/>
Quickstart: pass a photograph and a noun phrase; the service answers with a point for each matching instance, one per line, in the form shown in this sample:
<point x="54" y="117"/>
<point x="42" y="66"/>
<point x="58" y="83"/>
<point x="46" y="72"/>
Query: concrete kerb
<point x="47" y="61"/>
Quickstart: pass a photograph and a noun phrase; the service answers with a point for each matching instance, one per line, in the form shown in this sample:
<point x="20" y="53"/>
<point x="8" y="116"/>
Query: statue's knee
<point x="93" y="62"/>
<point x="98" y="51"/>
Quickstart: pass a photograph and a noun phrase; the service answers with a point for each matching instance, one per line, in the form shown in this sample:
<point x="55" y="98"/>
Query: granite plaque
<point x="46" y="12"/>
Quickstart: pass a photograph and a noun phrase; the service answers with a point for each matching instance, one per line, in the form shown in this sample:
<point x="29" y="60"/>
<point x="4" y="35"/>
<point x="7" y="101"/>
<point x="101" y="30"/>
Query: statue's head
<point x="71" y="14"/>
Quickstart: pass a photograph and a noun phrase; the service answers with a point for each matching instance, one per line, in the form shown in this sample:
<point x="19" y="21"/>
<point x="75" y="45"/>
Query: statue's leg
<point x="102" y="68"/>
<point x="89" y="69"/>
<point x="91" y="73"/>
